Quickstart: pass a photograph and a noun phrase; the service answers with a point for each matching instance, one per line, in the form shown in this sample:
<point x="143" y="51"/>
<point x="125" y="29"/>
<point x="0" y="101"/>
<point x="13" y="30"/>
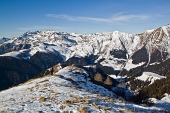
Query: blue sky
<point x="82" y="16"/>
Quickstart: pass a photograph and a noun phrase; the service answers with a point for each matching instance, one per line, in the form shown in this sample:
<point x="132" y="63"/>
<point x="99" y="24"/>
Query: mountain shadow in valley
<point x="80" y="61"/>
<point x="14" y="71"/>
<point x="119" y="54"/>
<point x="140" y="56"/>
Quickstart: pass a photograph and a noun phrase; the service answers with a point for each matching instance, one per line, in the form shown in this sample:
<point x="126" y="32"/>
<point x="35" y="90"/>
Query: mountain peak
<point x="107" y="53"/>
<point x="106" y="44"/>
<point x="3" y="39"/>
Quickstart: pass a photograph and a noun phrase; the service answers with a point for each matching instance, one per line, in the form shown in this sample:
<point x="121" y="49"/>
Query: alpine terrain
<point x="109" y="71"/>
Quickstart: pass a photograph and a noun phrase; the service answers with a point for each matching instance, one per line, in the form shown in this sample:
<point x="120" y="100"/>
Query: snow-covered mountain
<point x="3" y="39"/>
<point x="66" y="91"/>
<point x="149" y="77"/>
<point x="117" y="49"/>
<point x="113" y="52"/>
<point x="109" y="63"/>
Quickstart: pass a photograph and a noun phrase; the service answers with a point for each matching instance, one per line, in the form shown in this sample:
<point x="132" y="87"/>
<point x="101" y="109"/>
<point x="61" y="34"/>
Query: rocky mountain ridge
<point x="113" y="52"/>
<point x="3" y="39"/>
<point x="69" y="90"/>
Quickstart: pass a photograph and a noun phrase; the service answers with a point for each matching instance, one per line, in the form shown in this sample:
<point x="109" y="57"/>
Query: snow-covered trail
<point x="59" y="93"/>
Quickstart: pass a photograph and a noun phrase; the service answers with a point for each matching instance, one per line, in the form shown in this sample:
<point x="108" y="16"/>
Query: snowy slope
<point x="103" y="45"/>
<point x="129" y="65"/>
<point x="116" y="48"/>
<point x="45" y="41"/>
<point x="149" y="76"/>
<point x="3" y="39"/>
<point x="69" y="90"/>
<point x="157" y="39"/>
<point x="73" y="44"/>
<point x="164" y="102"/>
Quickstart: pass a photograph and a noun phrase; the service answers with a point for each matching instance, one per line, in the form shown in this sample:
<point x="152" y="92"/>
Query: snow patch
<point x="130" y="65"/>
<point x="155" y="63"/>
<point x="150" y="31"/>
<point x="118" y="78"/>
<point x="59" y="93"/>
<point x="165" y="30"/>
<point x="149" y="76"/>
<point x="164" y="102"/>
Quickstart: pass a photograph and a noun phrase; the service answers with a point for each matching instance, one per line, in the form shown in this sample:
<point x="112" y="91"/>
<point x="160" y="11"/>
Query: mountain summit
<point x="3" y="39"/>
<point x="134" y="66"/>
<point x="113" y="52"/>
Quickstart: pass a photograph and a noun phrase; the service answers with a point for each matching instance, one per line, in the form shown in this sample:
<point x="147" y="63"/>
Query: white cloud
<point x="120" y="17"/>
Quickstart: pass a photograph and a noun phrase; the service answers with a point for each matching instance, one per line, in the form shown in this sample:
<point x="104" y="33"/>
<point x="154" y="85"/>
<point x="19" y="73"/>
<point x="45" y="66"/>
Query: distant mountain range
<point x="3" y="39"/>
<point x="113" y="53"/>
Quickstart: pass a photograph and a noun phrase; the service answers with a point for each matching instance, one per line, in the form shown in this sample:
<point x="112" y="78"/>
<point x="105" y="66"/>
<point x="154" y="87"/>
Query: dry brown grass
<point x="98" y="77"/>
<point x="52" y="99"/>
<point x="80" y="100"/>
<point x="57" y="93"/>
<point x="56" y="68"/>
<point x="44" y="80"/>
<point x="52" y="92"/>
<point x="125" y="110"/>
<point x="30" y="81"/>
<point x="121" y="100"/>
<point x="59" y="85"/>
<point x="11" y="99"/>
<point x="65" y="111"/>
<point x="108" y="81"/>
<point x="2" y="111"/>
<point x="75" y="99"/>
<point x="87" y="97"/>
<point x="42" y="99"/>
<point x="27" y="101"/>
<point x="104" y="109"/>
<point x="46" y="85"/>
<point x="47" y="104"/>
<point x="66" y="85"/>
<point x="108" y="99"/>
<point x="95" y="105"/>
<point x="33" y="98"/>
<point x="58" y="75"/>
<point x="42" y="90"/>
<point x="67" y="102"/>
<point x="129" y="110"/>
<point x="62" y="107"/>
<point x="37" y="86"/>
<point x="30" y="89"/>
<point x="83" y="110"/>
<point x="87" y="101"/>
<point x="165" y="110"/>
<point x="72" y="67"/>
<point x="71" y="95"/>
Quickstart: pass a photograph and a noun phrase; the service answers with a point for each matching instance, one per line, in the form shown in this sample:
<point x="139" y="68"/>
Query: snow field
<point x="129" y="65"/>
<point x="69" y="91"/>
<point x="149" y="76"/>
<point x="164" y="102"/>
